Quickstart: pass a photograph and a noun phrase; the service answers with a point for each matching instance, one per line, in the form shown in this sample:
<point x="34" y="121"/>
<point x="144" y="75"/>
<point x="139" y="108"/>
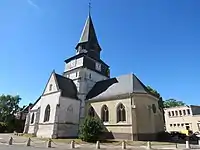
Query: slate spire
<point x="88" y="39"/>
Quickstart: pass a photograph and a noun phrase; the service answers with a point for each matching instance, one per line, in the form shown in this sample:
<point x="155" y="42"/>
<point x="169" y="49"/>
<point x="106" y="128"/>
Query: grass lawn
<point x="112" y="141"/>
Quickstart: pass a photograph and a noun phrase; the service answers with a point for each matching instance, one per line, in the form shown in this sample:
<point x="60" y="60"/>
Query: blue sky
<point x="157" y="40"/>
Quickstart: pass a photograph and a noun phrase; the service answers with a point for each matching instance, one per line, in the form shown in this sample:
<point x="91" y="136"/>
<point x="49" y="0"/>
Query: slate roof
<point x="67" y="86"/>
<point x="117" y="86"/>
<point x="88" y="36"/>
<point x="84" y="55"/>
<point x="35" y="102"/>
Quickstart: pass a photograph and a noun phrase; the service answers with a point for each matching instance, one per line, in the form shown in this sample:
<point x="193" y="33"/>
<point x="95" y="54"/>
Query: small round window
<point x="154" y="108"/>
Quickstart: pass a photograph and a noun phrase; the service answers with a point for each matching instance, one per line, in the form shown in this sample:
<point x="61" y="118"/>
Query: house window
<point x="178" y="124"/>
<point x="91" y="112"/>
<point x="187" y="127"/>
<point x="188" y="111"/>
<point x="169" y="113"/>
<point x="176" y="112"/>
<point x="182" y="124"/>
<point x="47" y="113"/>
<point x="170" y="125"/>
<point x="50" y="87"/>
<point x="32" y="118"/>
<point x="172" y="113"/>
<point x="180" y="112"/>
<point x="121" y="113"/>
<point x="174" y="125"/>
<point x="104" y="113"/>
<point x="184" y="112"/>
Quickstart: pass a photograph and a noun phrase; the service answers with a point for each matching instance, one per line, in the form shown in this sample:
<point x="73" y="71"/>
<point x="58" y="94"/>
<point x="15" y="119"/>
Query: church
<point x="126" y="107"/>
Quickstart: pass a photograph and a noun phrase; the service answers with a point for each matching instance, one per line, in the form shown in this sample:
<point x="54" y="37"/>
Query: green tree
<point x="9" y="105"/>
<point x="173" y="103"/>
<point x="91" y="129"/>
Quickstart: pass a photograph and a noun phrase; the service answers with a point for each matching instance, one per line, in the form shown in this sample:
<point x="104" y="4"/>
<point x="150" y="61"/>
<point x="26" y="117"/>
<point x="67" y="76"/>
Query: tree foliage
<point x="173" y="103"/>
<point x="167" y="103"/>
<point x="9" y="105"/>
<point x="90" y="129"/>
<point x="155" y="92"/>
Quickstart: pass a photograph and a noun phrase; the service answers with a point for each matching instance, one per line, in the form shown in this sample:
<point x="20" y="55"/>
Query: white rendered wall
<point x="47" y="90"/>
<point x="31" y="129"/>
<point x="68" y="110"/>
<point x="46" y="129"/>
<point x="32" y="125"/>
<point x="51" y="82"/>
<point x="68" y="117"/>
<point x="37" y="105"/>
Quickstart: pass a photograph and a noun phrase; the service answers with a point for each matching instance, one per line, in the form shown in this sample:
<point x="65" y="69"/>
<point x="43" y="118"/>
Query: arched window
<point x="91" y="112"/>
<point x="104" y="113"/>
<point x="32" y="118"/>
<point x="121" y="113"/>
<point x="47" y="113"/>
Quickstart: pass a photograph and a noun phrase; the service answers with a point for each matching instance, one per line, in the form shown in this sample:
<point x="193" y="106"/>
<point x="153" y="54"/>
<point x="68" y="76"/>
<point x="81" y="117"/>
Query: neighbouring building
<point x="21" y="118"/>
<point x="127" y="108"/>
<point x="182" y="118"/>
<point x="21" y="115"/>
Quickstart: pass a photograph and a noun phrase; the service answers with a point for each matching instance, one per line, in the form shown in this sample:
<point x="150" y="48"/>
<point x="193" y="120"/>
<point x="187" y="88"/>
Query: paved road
<point x="19" y="143"/>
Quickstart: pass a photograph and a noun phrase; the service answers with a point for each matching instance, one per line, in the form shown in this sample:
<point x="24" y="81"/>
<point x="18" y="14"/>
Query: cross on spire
<point x="89" y="6"/>
<point x="88" y="39"/>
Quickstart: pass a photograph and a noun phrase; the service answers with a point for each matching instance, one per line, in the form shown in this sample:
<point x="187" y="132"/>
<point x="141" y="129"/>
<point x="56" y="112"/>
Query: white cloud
<point x="33" y="4"/>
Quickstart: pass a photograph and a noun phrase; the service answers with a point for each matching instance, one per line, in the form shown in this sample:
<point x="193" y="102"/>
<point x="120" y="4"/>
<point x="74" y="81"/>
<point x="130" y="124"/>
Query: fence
<point x="73" y="144"/>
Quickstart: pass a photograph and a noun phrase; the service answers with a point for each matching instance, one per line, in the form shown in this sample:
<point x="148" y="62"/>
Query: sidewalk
<point x="20" y="141"/>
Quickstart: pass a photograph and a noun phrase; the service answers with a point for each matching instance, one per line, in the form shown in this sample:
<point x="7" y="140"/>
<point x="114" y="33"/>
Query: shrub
<point x="163" y="136"/>
<point x="3" y="127"/>
<point x="91" y="129"/>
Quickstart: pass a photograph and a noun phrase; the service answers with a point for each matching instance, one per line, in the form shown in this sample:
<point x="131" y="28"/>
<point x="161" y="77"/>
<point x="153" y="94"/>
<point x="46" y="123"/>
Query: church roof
<point x="67" y="86"/>
<point x="88" y="36"/>
<point x="35" y="102"/>
<point x="125" y="84"/>
<point x="82" y="55"/>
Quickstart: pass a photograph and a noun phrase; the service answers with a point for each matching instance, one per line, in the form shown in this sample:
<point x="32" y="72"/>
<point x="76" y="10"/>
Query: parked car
<point x="178" y="135"/>
<point x="193" y="136"/>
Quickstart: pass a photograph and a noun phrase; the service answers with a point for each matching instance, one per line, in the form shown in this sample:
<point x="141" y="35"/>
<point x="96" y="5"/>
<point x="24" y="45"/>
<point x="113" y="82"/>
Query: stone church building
<point x="124" y="104"/>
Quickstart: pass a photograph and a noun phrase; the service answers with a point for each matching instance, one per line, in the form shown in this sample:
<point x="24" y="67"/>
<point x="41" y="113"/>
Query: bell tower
<point x="86" y="68"/>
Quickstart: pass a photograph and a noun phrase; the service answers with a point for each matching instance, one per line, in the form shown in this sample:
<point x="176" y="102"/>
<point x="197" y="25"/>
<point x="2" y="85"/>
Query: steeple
<point x="88" y="40"/>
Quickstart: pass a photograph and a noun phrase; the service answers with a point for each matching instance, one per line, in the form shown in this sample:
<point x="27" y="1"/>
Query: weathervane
<point x="90" y="6"/>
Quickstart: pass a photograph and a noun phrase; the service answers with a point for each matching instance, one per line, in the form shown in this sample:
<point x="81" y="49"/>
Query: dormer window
<point x="50" y="87"/>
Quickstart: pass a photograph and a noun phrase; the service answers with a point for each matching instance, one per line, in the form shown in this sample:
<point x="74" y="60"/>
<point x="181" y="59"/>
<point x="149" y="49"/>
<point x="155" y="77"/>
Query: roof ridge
<point x="145" y="87"/>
